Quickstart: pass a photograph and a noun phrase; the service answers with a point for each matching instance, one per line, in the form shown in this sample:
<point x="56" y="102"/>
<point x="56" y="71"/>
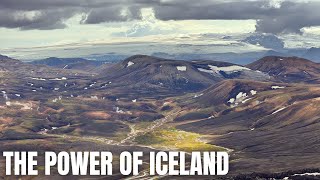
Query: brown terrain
<point x="264" y="114"/>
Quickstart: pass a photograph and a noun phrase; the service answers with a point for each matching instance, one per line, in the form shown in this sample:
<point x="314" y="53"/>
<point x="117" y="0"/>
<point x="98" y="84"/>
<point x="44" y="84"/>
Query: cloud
<point x="52" y="14"/>
<point x="148" y="25"/>
<point x="290" y="18"/>
<point x="33" y="19"/>
<point x="272" y="16"/>
<point x="265" y="40"/>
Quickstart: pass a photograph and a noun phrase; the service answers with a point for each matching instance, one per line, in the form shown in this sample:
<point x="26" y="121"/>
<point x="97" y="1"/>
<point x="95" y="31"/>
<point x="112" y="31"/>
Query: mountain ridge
<point x="288" y="69"/>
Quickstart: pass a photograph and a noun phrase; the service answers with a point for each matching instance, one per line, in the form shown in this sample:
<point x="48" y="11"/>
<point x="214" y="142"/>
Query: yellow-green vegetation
<point x="174" y="139"/>
<point x="141" y="126"/>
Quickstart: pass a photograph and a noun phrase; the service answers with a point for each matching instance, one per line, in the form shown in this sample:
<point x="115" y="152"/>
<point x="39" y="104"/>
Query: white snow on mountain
<point x="253" y="92"/>
<point x="182" y="68"/>
<point x="277" y="87"/>
<point x="130" y="63"/>
<point x="226" y="69"/>
<point x="281" y="109"/>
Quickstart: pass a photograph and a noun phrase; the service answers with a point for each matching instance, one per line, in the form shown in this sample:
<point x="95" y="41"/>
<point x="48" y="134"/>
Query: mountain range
<point x="265" y="113"/>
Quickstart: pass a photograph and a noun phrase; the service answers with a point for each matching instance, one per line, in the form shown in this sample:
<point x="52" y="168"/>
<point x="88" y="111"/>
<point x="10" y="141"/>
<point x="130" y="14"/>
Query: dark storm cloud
<point x="52" y="14"/>
<point x="50" y="19"/>
<point x="290" y="17"/>
<point x="114" y="13"/>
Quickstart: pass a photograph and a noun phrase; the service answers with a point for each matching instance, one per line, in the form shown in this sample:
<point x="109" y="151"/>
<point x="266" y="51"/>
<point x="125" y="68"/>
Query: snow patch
<point x="205" y="70"/>
<point x="58" y="79"/>
<point x="278" y="87"/>
<point x="94" y="97"/>
<point x="232" y="100"/>
<point x="241" y="95"/>
<point x="198" y="95"/>
<point x="244" y="101"/>
<point x="226" y="69"/>
<point x="5" y="96"/>
<point x="233" y="68"/>
<point x="38" y="79"/>
<point x="253" y="92"/>
<point x="182" y="68"/>
<point x="281" y="109"/>
<point x="308" y="174"/>
<point x="119" y="111"/>
<point x="92" y="84"/>
<point x="130" y="63"/>
<point x="106" y="84"/>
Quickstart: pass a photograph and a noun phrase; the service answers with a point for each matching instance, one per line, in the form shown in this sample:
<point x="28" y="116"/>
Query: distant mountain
<point x="2" y="57"/>
<point x="69" y="63"/>
<point x="313" y="54"/>
<point x="7" y="59"/>
<point x="9" y="63"/>
<point x="288" y="69"/>
<point x="276" y="53"/>
<point x="110" y="57"/>
<point x="173" y="74"/>
<point x="231" y="57"/>
<point x="18" y="70"/>
<point x="269" y="41"/>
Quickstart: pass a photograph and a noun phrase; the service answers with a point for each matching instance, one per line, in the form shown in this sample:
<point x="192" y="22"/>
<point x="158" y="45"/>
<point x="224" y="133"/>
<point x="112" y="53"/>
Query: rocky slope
<point x="288" y="69"/>
<point x="173" y="74"/>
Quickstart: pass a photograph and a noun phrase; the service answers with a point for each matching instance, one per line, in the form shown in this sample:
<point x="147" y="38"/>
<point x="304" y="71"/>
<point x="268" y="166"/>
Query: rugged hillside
<point x="288" y="69"/>
<point x="69" y="63"/>
<point x="35" y="70"/>
<point x="173" y="74"/>
<point x="22" y="80"/>
<point x="268" y="126"/>
<point x="278" y="120"/>
<point x="229" y="92"/>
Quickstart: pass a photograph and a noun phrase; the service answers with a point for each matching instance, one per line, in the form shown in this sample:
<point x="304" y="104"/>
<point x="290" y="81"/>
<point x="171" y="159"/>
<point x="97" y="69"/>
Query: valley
<point x="265" y="114"/>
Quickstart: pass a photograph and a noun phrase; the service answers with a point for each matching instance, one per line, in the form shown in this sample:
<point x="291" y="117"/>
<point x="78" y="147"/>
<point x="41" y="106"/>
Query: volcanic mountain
<point x="230" y="92"/>
<point x="69" y="63"/>
<point x="175" y="74"/>
<point x="205" y="105"/>
<point x="257" y="118"/>
<point x="33" y="69"/>
<point x="288" y="69"/>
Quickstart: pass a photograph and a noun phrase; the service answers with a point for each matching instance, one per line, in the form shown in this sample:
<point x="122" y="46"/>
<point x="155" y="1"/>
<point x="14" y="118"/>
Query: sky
<point x="35" y="29"/>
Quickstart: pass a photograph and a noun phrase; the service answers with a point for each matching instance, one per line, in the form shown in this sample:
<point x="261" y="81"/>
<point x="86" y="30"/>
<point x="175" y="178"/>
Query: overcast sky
<point x="39" y="28"/>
